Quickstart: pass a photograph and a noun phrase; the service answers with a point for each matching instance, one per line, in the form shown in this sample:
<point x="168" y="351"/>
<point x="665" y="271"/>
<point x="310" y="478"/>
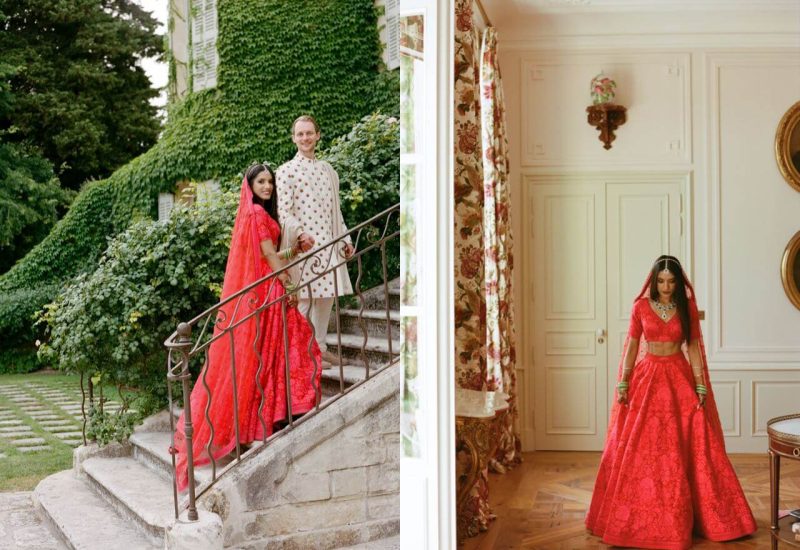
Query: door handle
<point x="601" y="335"/>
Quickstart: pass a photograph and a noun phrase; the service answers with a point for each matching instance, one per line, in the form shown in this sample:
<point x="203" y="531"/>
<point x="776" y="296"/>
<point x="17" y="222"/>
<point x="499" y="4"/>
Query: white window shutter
<point x="204" y="45"/>
<point x="392" y="34"/>
<point x="198" y="67"/>
<point x="210" y="43"/>
<point x="165" y="202"/>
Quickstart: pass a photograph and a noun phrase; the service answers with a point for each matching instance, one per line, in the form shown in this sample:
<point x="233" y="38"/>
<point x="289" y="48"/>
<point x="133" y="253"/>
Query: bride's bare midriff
<point x="663" y="348"/>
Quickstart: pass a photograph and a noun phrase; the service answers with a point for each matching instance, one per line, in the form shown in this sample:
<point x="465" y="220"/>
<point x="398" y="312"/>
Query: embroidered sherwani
<point x="308" y="202"/>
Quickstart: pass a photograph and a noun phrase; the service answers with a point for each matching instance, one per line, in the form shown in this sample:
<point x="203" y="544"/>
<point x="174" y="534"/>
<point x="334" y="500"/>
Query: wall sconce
<point x="604" y="114"/>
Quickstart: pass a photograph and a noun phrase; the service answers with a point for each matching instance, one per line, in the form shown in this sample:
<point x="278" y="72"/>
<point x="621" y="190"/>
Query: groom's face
<point x="305" y="136"/>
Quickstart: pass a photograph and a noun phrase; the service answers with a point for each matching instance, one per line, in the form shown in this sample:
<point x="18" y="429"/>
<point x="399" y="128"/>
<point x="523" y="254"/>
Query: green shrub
<point x="105" y="427"/>
<point x="18" y="309"/>
<point x="113" y="322"/>
<point x="18" y="361"/>
<point x="367" y="160"/>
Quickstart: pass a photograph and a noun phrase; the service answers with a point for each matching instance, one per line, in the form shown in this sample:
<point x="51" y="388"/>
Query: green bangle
<point x="700" y="388"/>
<point x="622" y="385"/>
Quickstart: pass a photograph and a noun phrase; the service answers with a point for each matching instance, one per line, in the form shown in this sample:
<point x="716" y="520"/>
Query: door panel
<point x="592" y="246"/>
<point x="569" y="307"/>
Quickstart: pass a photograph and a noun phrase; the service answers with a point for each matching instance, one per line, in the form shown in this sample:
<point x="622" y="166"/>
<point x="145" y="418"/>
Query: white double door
<point x="593" y="244"/>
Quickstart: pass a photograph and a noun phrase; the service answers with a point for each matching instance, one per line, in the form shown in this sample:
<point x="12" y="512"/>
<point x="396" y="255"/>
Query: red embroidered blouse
<point x="645" y="319"/>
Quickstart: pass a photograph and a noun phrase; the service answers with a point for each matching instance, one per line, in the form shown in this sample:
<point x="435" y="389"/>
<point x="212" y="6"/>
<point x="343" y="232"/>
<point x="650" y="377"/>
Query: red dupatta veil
<point x="243" y="268"/>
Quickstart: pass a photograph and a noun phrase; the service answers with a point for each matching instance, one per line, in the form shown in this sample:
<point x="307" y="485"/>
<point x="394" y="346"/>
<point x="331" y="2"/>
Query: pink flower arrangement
<point x="602" y="89"/>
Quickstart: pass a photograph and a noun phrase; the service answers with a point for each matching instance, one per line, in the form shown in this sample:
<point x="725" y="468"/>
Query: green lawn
<point x="21" y="471"/>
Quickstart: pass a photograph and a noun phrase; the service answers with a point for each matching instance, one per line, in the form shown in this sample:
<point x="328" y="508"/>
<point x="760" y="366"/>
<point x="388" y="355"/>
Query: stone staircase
<point x="354" y="323"/>
<point x="121" y="496"/>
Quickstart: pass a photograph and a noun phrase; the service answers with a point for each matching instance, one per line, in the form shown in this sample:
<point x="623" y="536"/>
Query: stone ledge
<point x="370" y="534"/>
<point x="255" y="493"/>
<point x="93" y="450"/>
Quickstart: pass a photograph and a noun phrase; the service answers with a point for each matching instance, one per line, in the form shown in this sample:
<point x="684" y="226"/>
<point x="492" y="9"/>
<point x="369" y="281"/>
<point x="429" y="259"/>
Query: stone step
<point x="353" y="374"/>
<point x="374" y="321"/>
<point x="376" y="349"/>
<point x="152" y="450"/>
<point x="134" y="491"/>
<point x="394" y="298"/>
<point x="375" y="298"/>
<point x="82" y="518"/>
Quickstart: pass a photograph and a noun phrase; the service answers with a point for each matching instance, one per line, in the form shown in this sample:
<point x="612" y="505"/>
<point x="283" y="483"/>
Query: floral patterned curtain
<point x="499" y="261"/>
<point x="484" y="324"/>
<point x="470" y="303"/>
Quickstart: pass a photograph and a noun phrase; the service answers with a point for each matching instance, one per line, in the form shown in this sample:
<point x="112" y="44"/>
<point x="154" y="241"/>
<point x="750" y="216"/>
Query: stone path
<point x="21" y="527"/>
<point x="35" y="416"/>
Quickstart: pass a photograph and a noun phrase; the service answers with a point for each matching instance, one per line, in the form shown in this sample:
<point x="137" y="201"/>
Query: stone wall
<point x="330" y="482"/>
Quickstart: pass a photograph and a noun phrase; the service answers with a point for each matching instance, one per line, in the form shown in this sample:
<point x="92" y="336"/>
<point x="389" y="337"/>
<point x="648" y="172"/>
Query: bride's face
<point x="666" y="285"/>
<point x="262" y="185"/>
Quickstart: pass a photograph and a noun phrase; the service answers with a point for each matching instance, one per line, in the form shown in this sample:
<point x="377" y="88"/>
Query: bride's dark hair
<point x="672" y="264"/>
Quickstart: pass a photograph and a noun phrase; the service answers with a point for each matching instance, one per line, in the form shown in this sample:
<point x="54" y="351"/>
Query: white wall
<point x="705" y="92"/>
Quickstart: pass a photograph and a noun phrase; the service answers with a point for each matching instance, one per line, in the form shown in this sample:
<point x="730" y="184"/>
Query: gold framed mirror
<point x="790" y="270"/>
<point x="787" y="146"/>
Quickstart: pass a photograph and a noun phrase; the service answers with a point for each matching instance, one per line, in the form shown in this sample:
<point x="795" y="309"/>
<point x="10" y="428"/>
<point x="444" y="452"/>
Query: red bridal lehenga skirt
<point x="269" y="374"/>
<point x="664" y="472"/>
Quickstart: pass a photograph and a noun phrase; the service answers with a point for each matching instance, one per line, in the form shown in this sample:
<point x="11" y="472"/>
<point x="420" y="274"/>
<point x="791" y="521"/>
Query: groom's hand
<point x="348" y="250"/>
<point x="305" y="241"/>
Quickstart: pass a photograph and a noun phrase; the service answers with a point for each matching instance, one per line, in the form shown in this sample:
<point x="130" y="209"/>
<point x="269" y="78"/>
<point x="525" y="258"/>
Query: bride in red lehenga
<point x="253" y="255"/>
<point x="664" y="472"/>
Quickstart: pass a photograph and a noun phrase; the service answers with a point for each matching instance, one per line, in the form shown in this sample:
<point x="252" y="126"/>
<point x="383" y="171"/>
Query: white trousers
<point x="320" y="315"/>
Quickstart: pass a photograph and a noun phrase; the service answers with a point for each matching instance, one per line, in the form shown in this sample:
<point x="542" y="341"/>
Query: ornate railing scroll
<point x="188" y="347"/>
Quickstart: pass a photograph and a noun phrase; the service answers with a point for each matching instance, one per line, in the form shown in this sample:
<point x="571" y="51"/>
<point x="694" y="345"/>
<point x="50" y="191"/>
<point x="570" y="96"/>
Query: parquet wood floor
<point x="542" y="502"/>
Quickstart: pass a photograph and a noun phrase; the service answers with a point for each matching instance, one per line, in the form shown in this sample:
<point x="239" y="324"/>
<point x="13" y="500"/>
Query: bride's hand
<point x="622" y="397"/>
<point x="702" y="399"/>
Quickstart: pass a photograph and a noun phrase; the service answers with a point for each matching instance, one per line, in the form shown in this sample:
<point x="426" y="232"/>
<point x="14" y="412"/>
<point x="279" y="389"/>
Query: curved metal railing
<point x="191" y="342"/>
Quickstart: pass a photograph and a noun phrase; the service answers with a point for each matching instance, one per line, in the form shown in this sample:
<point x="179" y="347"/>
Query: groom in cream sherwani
<point x="310" y="214"/>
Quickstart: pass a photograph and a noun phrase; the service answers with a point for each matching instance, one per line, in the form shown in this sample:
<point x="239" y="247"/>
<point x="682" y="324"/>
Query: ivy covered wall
<point x="278" y="59"/>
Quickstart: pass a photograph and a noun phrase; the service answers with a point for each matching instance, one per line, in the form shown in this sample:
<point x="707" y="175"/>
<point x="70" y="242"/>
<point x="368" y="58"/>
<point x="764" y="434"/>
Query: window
<point x="204" y="44"/>
<point x="165" y="204"/>
<point x="411" y="74"/>
<point x="426" y="158"/>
